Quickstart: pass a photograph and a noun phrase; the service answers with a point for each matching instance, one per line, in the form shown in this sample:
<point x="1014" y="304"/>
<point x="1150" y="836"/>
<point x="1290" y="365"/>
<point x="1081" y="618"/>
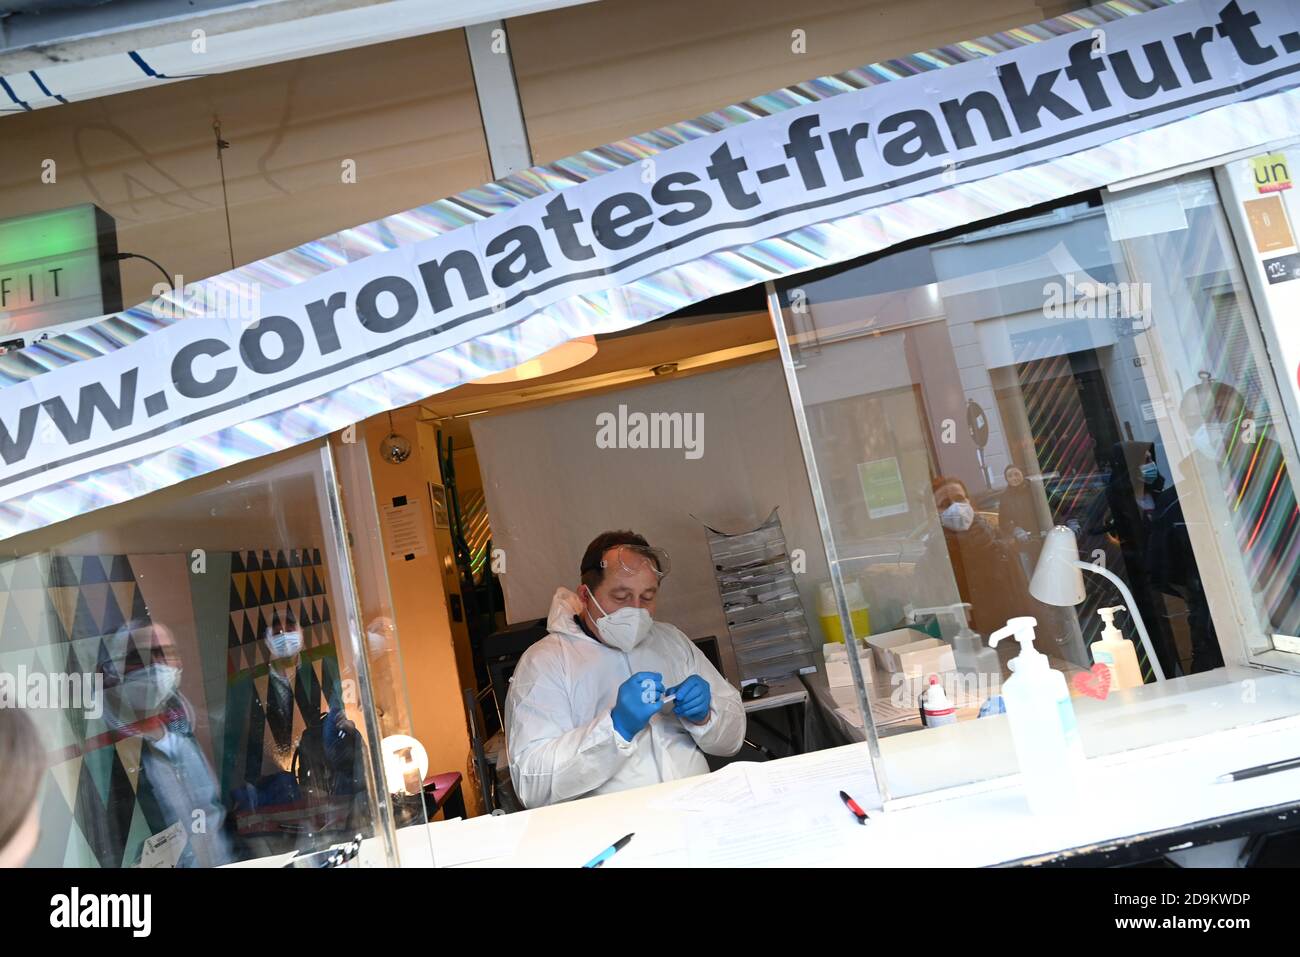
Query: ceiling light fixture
<point x="564" y="356"/>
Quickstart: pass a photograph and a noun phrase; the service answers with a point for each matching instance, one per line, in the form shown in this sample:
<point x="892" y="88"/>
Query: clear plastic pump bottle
<point x="1043" y="726"/>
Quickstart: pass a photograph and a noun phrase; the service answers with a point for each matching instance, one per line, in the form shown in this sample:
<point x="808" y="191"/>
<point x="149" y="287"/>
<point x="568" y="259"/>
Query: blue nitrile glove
<point x="693" y="698"/>
<point x="638" y="700"/>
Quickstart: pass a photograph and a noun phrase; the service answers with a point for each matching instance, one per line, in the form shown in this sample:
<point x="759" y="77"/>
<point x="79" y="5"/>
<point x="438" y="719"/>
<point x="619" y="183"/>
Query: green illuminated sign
<point x="56" y="267"/>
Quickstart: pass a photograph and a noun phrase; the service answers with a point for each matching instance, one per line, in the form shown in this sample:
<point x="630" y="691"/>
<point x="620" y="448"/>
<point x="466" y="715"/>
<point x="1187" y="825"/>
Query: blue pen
<point x="608" y="852"/>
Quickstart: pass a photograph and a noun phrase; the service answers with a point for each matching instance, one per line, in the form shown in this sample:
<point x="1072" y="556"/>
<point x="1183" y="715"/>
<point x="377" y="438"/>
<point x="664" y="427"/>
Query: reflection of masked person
<point x="283" y="645"/>
<point x="1016" y="515"/>
<point x="333" y="737"/>
<point x="142" y="674"/>
<point x="1135" y="482"/>
<point x="987" y="576"/>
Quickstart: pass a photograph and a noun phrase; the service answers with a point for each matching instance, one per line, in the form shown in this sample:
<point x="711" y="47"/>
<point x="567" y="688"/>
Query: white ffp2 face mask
<point x="147" y="689"/>
<point x="625" y="628"/>
<point x="958" y="516"/>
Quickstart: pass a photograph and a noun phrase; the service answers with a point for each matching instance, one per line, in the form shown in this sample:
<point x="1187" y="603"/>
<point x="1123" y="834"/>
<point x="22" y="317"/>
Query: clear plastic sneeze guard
<point x="217" y="687"/>
<point x="1069" y="414"/>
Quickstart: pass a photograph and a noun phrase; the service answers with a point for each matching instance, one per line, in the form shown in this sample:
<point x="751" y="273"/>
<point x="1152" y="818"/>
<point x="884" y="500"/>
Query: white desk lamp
<point x="1058" y="580"/>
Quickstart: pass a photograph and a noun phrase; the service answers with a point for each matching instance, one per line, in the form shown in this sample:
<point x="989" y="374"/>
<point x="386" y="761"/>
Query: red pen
<point x="852" y="805"/>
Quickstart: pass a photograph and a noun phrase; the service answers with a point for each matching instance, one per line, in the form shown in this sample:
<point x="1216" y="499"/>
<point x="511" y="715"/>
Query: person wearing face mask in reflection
<point x="1135" y="482"/>
<point x="177" y="789"/>
<point x="987" y="575"/>
<point x="263" y="776"/>
<point x="1017" y="518"/>
<point x="283" y="643"/>
<point x="585" y="715"/>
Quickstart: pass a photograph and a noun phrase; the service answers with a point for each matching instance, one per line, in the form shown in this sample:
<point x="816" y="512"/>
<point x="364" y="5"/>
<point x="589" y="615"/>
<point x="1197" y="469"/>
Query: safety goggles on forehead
<point x="634" y="558"/>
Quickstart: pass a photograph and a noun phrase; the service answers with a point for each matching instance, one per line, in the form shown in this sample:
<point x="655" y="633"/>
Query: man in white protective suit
<point x="611" y="699"/>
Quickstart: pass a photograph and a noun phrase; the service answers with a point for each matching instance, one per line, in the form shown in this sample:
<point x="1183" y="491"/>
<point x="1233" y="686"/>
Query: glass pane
<point x="1095" y="367"/>
<point x="203" y="701"/>
<point x="1226" y="436"/>
<point x="383" y="658"/>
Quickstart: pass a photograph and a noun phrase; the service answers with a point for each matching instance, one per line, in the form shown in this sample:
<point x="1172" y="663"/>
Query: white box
<point x="930" y="656"/>
<point x="911" y="652"/>
<point x="838" y="673"/>
<point x="884" y="643"/>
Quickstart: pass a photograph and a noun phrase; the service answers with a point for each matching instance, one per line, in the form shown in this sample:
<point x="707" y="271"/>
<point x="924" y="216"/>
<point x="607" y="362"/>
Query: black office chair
<point x="751" y="750"/>
<point x="502" y="651"/>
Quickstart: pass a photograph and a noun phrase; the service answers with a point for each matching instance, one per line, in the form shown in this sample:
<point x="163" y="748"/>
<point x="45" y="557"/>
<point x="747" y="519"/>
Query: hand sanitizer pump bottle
<point x="970" y="652"/>
<point x="1116" y="652"/>
<point x="1042" y="722"/>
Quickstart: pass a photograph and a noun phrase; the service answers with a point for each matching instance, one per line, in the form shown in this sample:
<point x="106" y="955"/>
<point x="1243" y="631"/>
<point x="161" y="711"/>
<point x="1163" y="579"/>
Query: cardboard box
<point x="883" y="644"/>
<point x="838" y="673"/>
<point x="909" y="651"/>
<point x="930" y="656"/>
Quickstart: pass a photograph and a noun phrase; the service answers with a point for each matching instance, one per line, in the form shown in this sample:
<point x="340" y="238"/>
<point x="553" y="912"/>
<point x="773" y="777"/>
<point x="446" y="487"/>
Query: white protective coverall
<point x="559" y="732"/>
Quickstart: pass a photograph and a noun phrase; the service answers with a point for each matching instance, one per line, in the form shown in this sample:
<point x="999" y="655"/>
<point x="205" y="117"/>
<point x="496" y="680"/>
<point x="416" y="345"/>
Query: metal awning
<point x="71" y="50"/>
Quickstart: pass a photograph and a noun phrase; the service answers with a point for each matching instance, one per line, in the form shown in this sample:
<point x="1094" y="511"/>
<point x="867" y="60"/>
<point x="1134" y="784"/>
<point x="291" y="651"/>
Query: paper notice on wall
<point x="1278" y="266"/>
<point x="1144" y="212"/>
<point x="1271" y="173"/>
<point x="882" y="487"/>
<point x="404" y="530"/>
<point x="1268" y="224"/>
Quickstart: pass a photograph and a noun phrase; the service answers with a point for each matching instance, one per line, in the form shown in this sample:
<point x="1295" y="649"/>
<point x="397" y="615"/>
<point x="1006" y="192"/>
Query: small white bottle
<point x="1116" y="652"/>
<point x="936" y="709"/>
<point x="1043" y="727"/>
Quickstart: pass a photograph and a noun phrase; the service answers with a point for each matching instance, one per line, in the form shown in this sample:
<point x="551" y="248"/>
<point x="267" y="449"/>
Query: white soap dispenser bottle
<point x="1116" y="652"/>
<point x="1043" y="727"/>
<point x="971" y="654"/>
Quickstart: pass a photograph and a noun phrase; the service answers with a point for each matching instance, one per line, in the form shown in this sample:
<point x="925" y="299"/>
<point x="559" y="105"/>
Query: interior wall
<point x="442" y="546"/>
<point x="468" y="475"/>
<point x="551" y="490"/>
<point x="420" y="588"/>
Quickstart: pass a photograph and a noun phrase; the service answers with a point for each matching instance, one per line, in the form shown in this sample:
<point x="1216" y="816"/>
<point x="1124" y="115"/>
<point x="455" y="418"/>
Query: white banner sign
<point x="754" y="181"/>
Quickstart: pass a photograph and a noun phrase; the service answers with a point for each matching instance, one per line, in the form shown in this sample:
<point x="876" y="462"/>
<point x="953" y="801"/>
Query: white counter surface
<point x="794" y="817"/>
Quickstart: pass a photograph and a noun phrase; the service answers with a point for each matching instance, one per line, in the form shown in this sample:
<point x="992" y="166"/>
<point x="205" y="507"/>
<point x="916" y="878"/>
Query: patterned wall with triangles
<point x="269" y="591"/>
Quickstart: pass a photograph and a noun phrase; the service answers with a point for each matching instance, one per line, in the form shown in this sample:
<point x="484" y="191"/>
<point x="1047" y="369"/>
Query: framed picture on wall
<point x="441" y="517"/>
